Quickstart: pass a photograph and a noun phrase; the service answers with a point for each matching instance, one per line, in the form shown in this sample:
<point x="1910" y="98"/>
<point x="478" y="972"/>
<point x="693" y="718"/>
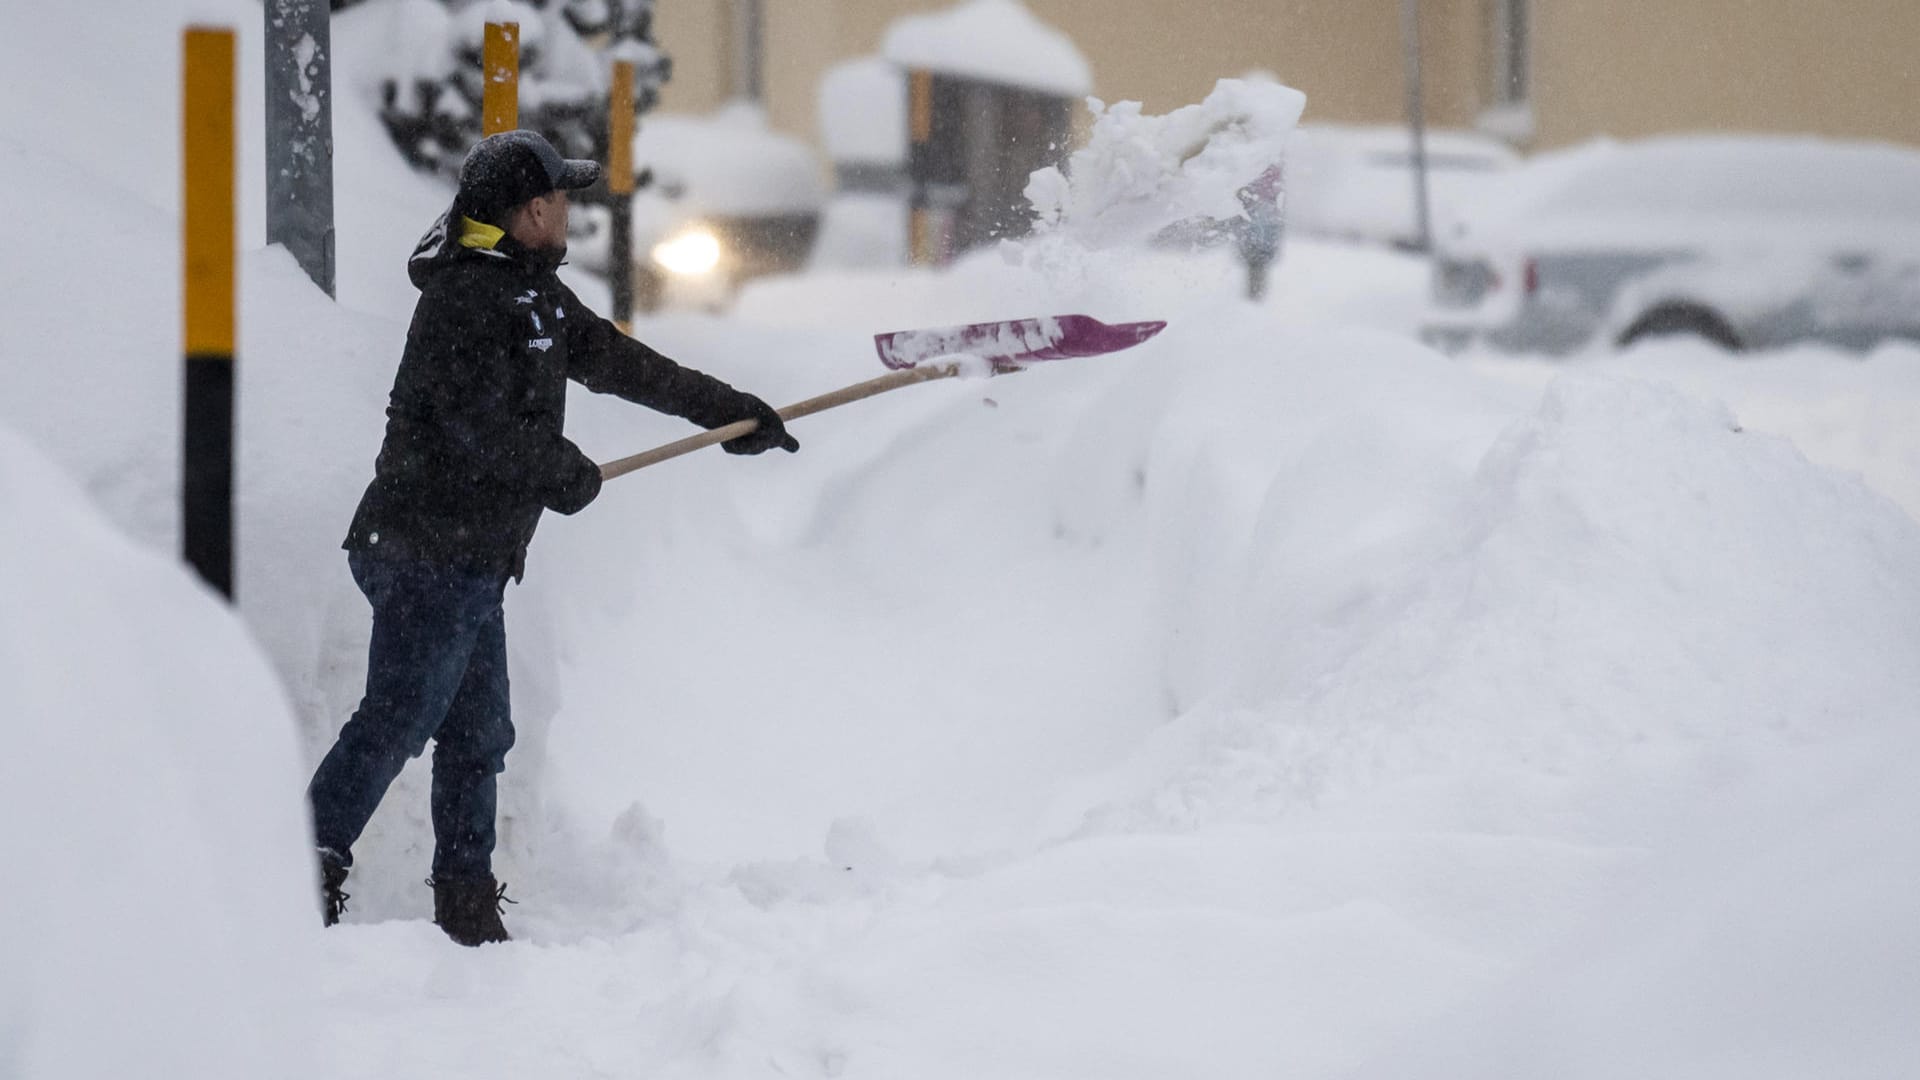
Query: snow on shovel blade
<point x="1007" y="345"/>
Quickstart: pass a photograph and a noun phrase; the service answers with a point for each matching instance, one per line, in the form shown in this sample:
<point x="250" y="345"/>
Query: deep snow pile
<point x="1621" y="582"/>
<point x="1855" y="413"/>
<point x="156" y="888"/>
<point x="1447" y="666"/>
<point x="1278" y="698"/>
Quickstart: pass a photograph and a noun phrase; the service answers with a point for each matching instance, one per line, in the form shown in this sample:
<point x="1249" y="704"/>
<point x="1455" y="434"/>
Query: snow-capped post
<point x="620" y="186"/>
<point x="207" y="293"/>
<point x="299" y="80"/>
<point x="500" y="67"/>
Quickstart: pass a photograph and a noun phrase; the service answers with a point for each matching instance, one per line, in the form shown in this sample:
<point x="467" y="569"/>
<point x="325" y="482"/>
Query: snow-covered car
<point x="729" y="200"/>
<point x="1356" y="183"/>
<point x="1750" y="242"/>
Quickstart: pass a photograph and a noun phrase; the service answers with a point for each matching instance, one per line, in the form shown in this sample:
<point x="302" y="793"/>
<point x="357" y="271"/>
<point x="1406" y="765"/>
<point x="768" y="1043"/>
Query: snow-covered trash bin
<point x="991" y="92"/>
<point x="863" y="125"/>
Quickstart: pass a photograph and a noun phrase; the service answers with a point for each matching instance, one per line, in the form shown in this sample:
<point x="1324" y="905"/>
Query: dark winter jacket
<point x="473" y="448"/>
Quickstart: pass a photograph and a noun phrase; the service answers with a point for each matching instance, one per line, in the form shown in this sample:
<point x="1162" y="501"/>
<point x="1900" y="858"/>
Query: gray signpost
<point x="1417" y="125"/>
<point x="299" y="78"/>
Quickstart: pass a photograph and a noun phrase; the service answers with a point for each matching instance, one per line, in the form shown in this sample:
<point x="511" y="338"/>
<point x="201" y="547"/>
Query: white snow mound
<point x="158" y="888"/>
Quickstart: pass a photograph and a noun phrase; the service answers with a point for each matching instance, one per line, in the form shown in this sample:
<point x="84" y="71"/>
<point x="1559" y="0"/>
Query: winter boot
<point x="333" y="874"/>
<point x="468" y="909"/>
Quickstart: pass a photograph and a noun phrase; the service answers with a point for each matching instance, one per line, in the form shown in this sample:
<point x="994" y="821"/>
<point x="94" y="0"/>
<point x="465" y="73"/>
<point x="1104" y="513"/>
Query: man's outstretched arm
<point x="606" y="361"/>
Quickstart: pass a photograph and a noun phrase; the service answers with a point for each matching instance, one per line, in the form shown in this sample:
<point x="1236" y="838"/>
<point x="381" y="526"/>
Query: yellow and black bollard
<point x="207" y="234"/>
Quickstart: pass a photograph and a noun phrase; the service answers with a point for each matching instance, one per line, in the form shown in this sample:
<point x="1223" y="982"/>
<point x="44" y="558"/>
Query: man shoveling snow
<point x="474" y="452"/>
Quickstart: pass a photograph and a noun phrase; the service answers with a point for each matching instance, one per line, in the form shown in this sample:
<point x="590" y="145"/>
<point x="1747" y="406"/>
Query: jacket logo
<point x="541" y="343"/>
<point x="528" y="298"/>
<point x="537" y="328"/>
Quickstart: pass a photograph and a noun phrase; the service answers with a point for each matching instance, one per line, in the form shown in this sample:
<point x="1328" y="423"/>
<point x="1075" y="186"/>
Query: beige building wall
<point x="1640" y="67"/>
<point x="695" y="34"/>
<point x="803" y="39"/>
<point x="1599" y="67"/>
<point x="1344" y="54"/>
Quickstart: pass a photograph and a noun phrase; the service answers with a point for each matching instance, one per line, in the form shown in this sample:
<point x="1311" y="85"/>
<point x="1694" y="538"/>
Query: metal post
<point x="920" y="247"/>
<point x="299" y="82"/>
<point x="207" y="293"/>
<point x="500" y="70"/>
<point x="749" y="23"/>
<point x="1259" y="232"/>
<point x="620" y="187"/>
<point x="1417" y="124"/>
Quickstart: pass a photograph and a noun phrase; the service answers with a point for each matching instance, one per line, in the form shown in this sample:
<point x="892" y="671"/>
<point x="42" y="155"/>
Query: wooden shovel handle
<point x="842" y="396"/>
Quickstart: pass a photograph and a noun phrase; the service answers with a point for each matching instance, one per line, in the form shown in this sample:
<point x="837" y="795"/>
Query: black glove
<point x="580" y="487"/>
<point x="769" y="434"/>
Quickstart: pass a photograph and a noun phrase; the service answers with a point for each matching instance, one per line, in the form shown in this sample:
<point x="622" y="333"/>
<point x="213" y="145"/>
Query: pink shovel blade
<point x="1009" y="344"/>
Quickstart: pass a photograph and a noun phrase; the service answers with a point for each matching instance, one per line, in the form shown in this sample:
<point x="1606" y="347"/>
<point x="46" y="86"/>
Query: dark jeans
<point x="436" y="669"/>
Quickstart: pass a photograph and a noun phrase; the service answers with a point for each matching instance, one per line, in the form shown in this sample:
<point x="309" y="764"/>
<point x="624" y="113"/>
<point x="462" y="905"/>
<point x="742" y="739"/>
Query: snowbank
<point x="1276" y="698"/>
<point x="1459" y="625"/>
<point x="155" y="863"/>
<point x="1853" y="413"/>
<point x="997" y="41"/>
<point x="1770" y="937"/>
<point x="1445" y="662"/>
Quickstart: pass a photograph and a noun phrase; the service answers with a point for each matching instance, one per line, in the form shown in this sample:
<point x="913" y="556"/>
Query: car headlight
<point x="691" y="253"/>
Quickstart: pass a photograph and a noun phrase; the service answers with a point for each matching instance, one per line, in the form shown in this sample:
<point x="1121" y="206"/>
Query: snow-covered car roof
<point x="1356" y="183"/>
<point x="728" y="164"/>
<point x="1685" y="190"/>
<point x="1447" y="148"/>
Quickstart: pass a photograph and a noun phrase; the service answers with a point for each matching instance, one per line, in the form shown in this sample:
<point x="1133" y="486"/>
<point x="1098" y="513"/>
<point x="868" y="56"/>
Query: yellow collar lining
<point x="479" y="234"/>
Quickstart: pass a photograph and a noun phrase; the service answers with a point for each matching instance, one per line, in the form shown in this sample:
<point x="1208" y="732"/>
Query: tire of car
<point x="1676" y="319"/>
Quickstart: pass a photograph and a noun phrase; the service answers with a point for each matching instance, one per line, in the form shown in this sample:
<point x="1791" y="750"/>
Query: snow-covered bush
<point x="431" y="85"/>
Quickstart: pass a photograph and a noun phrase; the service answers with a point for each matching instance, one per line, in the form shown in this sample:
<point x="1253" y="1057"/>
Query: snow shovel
<point x="918" y="356"/>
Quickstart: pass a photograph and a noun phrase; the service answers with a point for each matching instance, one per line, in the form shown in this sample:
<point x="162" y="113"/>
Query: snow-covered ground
<point x="1278" y="698"/>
